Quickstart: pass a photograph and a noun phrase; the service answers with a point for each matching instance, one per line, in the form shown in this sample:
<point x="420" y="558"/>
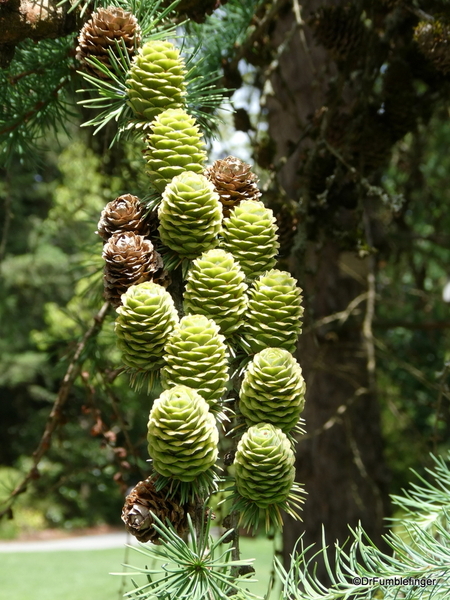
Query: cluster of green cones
<point x="210" y="231"/>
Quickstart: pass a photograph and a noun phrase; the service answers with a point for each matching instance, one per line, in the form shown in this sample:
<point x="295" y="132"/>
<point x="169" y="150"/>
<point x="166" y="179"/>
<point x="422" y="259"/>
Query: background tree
<point x="341" y="84"/>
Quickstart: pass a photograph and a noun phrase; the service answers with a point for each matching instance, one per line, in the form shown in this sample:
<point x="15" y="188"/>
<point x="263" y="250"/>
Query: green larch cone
<point x="146" y="319"/>
<point x="273" y="390"/>
<point x="175" y="145"/>
<point x="182" y="434"/>
<point x="156" y="80"/>
<point x="250" y="235"/>
<point x="274" y="313"/>
<point x="264" y="466"/>
<point x="215" y="288"/>
<point x="196" y="356"/>
<point x="190" y="215"/>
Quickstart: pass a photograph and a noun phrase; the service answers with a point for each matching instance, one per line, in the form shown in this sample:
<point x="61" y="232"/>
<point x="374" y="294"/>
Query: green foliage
<point x="51" y="288"/>
<point x="412" y="335"/>
<point x="196" y="570"/>
<point x="115" y="95"/>
<point x="44" y="259"/>
<point x="35" y="95"/>
<point x="224" y="31"/>
<point x="84" y="494"/>
<point x="37" y="90"/>
<point x="417" y="567"/>
<point x="28" y="515"/>
<point x="427" y="504"/>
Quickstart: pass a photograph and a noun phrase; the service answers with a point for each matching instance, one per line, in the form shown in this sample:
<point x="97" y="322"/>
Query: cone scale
<point x="234" y="182"/>
<point x="125" y="213"/>
<point x="143" y="502"/>
<point x="107" y="27"/>
<point x="129" y="259"/>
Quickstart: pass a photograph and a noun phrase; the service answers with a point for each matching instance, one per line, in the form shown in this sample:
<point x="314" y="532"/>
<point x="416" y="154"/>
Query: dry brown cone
<point x="104" y="28"/>
<point x="130" y="259"/>
<point x="233" y="181"/>
<point x="433" y="39"/>
<point x="125" y="213"/>
<point x="144" y="500"/>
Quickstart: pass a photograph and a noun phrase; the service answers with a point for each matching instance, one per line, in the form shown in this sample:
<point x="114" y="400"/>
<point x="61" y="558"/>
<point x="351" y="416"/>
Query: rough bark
<point x="33" y="19"/>
<point x="340" y="461"/>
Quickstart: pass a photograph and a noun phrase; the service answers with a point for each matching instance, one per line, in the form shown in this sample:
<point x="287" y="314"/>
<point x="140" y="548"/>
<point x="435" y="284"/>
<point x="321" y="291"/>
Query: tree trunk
<point x="340" y="460"/>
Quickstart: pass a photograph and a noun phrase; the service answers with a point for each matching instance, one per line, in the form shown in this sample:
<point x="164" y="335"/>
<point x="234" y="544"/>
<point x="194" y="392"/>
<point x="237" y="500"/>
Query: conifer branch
<point x="40" y="104"/>
<point x="423" y="16"/>
<point x="54" y="417"/>
<point x="370" y="307"/>
<point x="6" y="224"/>
<point x="257" y="33"/>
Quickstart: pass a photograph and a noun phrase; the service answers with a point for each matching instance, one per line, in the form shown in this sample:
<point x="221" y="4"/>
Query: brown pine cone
<point x="104" y="28"/>
<point x="125" y="213"/>
<point x="130" y="259"/>
<point x="144" y="500"/>
<point x="233" y="181"/>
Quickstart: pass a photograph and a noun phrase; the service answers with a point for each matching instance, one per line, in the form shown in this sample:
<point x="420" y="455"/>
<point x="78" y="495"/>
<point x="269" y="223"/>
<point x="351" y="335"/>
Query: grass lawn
<point x="80" y="575"/>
